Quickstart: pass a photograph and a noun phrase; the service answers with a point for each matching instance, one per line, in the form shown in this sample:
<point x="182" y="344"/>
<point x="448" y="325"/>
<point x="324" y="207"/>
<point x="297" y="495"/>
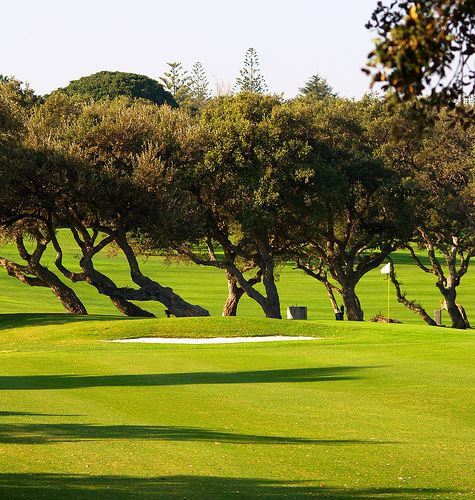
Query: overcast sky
<point x="51" y="42"/>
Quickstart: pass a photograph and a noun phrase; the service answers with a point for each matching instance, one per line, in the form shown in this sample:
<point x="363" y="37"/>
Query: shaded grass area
<point x="20" y="320"/>
<point x="47" y="382"/>
<point x="119" y="487"/>
<point x="56" y="433"/>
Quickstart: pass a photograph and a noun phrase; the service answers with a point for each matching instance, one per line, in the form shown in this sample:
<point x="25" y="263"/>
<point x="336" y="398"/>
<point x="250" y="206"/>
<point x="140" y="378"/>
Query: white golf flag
<point x="386" y="269"/>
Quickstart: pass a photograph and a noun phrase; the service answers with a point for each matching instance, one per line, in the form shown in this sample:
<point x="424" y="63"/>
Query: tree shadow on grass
<point x="48" y="382"/>
<point x="82" y="487"/>
<point x="30" y="414"/>
<point x="66" y="432"/>
<point x="36" y="319"/>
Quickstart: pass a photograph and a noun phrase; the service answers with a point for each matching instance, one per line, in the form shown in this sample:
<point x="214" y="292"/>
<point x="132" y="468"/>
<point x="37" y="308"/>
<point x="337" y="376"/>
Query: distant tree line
<point x="244" y="183"/>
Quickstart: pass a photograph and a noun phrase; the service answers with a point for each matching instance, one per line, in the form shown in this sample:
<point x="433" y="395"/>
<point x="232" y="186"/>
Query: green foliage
<point x="112" y="84"/>
<point x="253" y="156"/>
<point x="425" y="49"/>
<point x="355" y="213"/>
<point x="251" y="79"/>
<point x="436" y="167"/>
<point x="254" y="178"/>
<point x="25" y="94"/>
<point x="102" y="143"/>
<point x="10" y="111"/>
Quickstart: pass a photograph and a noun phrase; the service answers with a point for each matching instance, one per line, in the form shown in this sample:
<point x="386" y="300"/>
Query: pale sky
<point x="51" y="42"/>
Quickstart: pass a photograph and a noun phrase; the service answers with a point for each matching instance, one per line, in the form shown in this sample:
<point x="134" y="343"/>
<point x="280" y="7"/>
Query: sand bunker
<point x="216" y="340"/>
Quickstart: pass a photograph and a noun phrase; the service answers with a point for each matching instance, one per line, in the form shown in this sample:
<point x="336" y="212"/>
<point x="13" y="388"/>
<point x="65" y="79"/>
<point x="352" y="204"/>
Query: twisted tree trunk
<point x="235" y="293"/>
<point x="456" y="316"/>
<point x="104" y="285"/>
<point x="152" y="290"/>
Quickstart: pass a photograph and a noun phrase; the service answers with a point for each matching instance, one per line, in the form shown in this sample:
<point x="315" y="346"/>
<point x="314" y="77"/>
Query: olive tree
<point x="20" y="225"/>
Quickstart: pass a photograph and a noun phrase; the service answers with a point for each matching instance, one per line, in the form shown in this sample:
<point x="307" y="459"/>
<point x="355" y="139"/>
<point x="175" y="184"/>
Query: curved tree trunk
<point x="331" y="296"/>
<point x="271" y="306"/>
<point x="321" y="275"/>
<point x="152" y="290"/>
<point x="410" y="304"/>
<point x="102" y="283"/>
<point x="65" y="294"/>
<point x="130" y="309"/>
<point x="449" y="279"/>
<point x="464" y="315"/>
<point x="105" y="286"/>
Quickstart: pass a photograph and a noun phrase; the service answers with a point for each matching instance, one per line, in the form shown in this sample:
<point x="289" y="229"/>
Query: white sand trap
<point x="216" y="340"/>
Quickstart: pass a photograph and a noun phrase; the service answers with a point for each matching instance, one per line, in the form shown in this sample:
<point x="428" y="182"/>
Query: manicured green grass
<point x="369" y="411"/>
<point x="207" y="287"/>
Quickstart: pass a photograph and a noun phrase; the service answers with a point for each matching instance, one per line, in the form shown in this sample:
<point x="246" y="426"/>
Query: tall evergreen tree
<point x="251" y="79"/>
<point x="318" y="88"/>
<point x="199" y="86"/>
<point x="177" y="82"/>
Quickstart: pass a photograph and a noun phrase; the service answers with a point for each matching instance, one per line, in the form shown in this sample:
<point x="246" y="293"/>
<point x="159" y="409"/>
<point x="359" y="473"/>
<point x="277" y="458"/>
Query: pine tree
<point x="251" y="79"/>
<point x="177" y="82"/>
<point x="199" y="86"/>
<point x="318" y="88"/>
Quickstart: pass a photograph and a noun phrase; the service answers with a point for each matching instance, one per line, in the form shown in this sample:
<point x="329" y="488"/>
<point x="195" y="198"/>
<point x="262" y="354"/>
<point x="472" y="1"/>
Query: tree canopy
<point x="111" y="84"/>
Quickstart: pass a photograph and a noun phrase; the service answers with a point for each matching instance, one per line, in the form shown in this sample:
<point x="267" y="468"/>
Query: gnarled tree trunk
<point x="102" y="283"/>
<point x="449" y="279"/>
<point x="269" y="302"/>
<point x="351" y="302"/>
<point x="152" y="290"/>
<point x="130" y="309"/>
<point x="271" y="305"/>
<point x="64" y="293"/>
<point x="106" y="286"/>
<point x="456" y="316"/>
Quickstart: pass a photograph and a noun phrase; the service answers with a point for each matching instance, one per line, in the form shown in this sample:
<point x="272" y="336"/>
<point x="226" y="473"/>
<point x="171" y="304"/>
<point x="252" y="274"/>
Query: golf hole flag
<point x="386" y="269"/>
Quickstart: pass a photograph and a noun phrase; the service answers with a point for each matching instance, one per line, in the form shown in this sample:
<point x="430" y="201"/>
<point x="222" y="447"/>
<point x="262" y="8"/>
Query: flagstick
<point x="387" y="271"/>
<point x="388" y="299"/>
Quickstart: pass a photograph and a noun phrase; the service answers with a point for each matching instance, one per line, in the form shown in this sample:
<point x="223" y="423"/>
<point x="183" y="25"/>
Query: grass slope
<point x="370" y="411"/>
